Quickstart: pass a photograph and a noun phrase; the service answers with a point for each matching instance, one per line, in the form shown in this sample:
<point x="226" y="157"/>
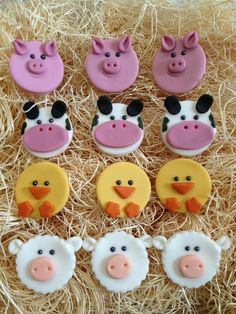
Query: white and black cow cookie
<point x="117" y="129"/>
<point x="46" y="132"/>
<point x="188" y="127"/>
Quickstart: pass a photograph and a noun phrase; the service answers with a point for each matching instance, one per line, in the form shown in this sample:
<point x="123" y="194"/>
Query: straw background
<point x="72" y="23"/>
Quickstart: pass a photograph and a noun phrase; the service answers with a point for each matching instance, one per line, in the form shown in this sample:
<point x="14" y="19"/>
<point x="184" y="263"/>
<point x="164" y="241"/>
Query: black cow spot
<point x="140" y="123"/>
<point x="212" y="120"/>
<point x="95" y="120"/>
<point x="164" y="124"/>
<point x="68" y="125"/>
<point x="24" y="125"/>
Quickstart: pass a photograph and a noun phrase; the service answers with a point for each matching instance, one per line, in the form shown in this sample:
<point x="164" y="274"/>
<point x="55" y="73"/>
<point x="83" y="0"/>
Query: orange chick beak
<point x="182" y="187"/>
<point x="39" y="192"/>
<point x="124" y="191"/>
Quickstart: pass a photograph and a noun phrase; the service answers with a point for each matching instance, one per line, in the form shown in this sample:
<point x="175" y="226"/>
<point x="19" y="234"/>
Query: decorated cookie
<point x="117" y="129"/>
<point x="191" y="258"/>
<point x="46" y="132"/>
<point x="180" y="64"/>
<point x="45" y="263"/>
<point x="112" y="64"/>
<point x="183" y="185"/>
<point x="119" y="260"/>
<point x="42" y="190"/>
<point x="36" y="66"/>
<point x="123" y="189"/>
<point x="188" y="128"/>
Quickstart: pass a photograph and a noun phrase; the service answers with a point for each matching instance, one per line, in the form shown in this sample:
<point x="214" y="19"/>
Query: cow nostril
<point x="196" y="126"/>
<point x="185" y="126"/>
<point x="113" y="125"/>
<point x="50" y="129"/>
<point x="41" y="129"/>
<point x="124" y="125"/>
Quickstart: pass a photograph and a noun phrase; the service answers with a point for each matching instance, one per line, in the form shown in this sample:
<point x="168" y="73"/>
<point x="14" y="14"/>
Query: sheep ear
<point x="75" y="242"/>
<point x="146" y="240"/>
<point x="159" y="242"/>
<point x="14" y="246"/>
<point x="89" y="244"/>
<point x="223" y="242"/>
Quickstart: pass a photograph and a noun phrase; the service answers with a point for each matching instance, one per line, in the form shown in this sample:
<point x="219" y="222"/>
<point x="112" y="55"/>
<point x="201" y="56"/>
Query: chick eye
<point x="118" y="54"/>
<point x="183" y="117"/>
<point x="130" y="182"/>
<point x="173" y="54"/>
<point x="188" y="178"/>
<point x="124" y="117"/>
<point x="43" y="56"/>
<point x="35" y="182"/>
<point x="183" y="52"/>
<point x="112" y="117"/>
<point x="46" y="183"/>
<point x="197" y="248"/>
<point x="51" y="120"/>
<point x="187" y="248"/>
<point x="40" y="252"/>
<point x="39" y="121"/>
<point x="176" y="178"/>
<point x="107" y="54"/>
<point x="52" y="252"/>
<point x="124" y="248"/>
<point x="32" y="56"/>
<point x="118" y="182"/>
<point x="112" y="249"/>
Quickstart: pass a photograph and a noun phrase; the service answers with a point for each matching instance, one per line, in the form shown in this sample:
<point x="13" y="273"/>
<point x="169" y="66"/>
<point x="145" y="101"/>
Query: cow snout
<point x="191" y="266"/>
<point x="43" y="269"/>
<point x="177" y="65"/>
<point x="118" y="266"/>
<point x="111" y="66"/>
<point x="37" y="66"/>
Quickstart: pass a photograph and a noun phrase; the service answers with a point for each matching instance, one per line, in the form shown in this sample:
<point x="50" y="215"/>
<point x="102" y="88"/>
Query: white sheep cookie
<point x="119" y="260"/>
<point x="190" y="258"/>
<point x="45" y="263"/>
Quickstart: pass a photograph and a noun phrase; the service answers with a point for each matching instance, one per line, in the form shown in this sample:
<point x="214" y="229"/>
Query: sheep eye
<point x="197" y="248"/>
<point x="40" y="252"/>
<point x="124" y="248"/>
<point x="187" y="248"/>
<point x="52" y="252"/>
<point x="112" y="249"/>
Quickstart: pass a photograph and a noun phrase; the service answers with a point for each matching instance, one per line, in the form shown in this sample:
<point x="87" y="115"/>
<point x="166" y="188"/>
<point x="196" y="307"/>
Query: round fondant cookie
<point x="191" y="259"/>
<point x="112" y="64"/>
<point x="180" y="64"/>
<point x="123" y="189"/>
<point x="183" y="185"/>
<point x="42" y="190"/>
<point x="188" y="127"/>
<point x="119" y="260"/>
<point x="46" y="132"/>
<point x="117" y="129"/>
<point x="45" y="263"/>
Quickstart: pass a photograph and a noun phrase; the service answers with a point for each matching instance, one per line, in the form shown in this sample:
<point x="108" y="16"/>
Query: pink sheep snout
<point x="191" y="266"/>
<point x="177" y="65"/>
<point x="118" y="266"/>
<point x="43" y="269"/>
<point x="37" y="66"/>
<point x="111" y="66"/>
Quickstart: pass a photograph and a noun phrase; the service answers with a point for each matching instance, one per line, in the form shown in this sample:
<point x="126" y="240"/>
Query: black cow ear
<point x="134" y="108"/>
<point x="58" y="109"/>
<point x="204" y="103"/>
<point x="104" y="105"/>
<point x="172" y="104"/>
<point x="31" y="110"/>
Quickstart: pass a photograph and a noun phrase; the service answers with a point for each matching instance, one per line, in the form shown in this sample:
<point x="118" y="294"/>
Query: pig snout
<point x="190" y="135"/>
<point x="43" y="269"/>
<point x="37" y="66"/>
<point x="118" y="266"/>
<point x="177" y="65"/>
<point x="111" y="66"/>
<point x="191" y="266"/>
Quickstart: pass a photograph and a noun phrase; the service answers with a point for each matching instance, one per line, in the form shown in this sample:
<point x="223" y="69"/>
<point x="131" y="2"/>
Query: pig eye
<point x="183" y="52"/>
<point x="124" y="117"/>
<point x="107" y="54"/>
<point x="46" y="183"/>
<point x="52" y="252"/>
<point x="118" y="54"/>
<point x="39" y="121"/>
<point x="124" y="248"/>
<point x="43" y="56"/>
<point x="35" y="182"/>
<point x="197" y="248"/>
<point x="32" y="56"/>
<point x="112" y="117"/>
<point x="40" y="252"/>
<point x="173" y="54"/>
<point x="187" y="248"/>
<point x="176" y="178"/>
<point x="112" y="249"/>
<point x="118" y="182"/>
<point x="188" y="178"/>
<point x="51" y="120"/>
<point x="130" y="182"/>
<point x="183" y="117"/>
<point x="196" y="117"/>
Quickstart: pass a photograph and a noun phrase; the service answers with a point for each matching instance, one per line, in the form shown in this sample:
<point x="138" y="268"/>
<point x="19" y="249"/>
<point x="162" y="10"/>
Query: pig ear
<point x="20" y="47"/>
<point x="89" y="244"/>
<point x="168" y="42"/>
<point x="146" y="240"/>
<point x="134" y="108"/>
<point x="14" y="246"/>
<point x="204" y="103"/>
<point x="223" y="242"/>
<point x="75" y="242"/>
<point x="125" y="44"/>
<point x="172" y="105"/>
<point x="50" y="48"/>
<point x="104" y="105"/>
<point x="98" y="45"/>
<point x="191" y="40"/>
<point x="159" y="242"/>
<point x="58" y="109"/>
<point x="31" y="110"/>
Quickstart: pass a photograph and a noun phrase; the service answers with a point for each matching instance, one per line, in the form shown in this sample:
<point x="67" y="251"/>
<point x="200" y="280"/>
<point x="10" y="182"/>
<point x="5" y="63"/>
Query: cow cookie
<point x="191" y="259"/>
<point x="188" y="127"/>
<point x="183" y="185"/>
<point x="46" y="132"/>
<point x="123" y="190"/>
<point x="36" y="66"/>
<point x="112" y="64"/>
<point x="180" y="64"/>
<point x="119" y="260"/>
<point x="42" y="190"/>
<point x="45" y="263"/>
<point x="117" y="129"/>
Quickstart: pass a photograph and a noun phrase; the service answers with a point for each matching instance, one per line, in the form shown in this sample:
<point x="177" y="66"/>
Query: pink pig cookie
<point x="112" y="65"/>
<point x="180" y="64"/>
<point x="35" y="66"/>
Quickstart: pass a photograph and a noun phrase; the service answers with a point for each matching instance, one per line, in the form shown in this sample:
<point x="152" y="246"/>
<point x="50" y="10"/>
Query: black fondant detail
<point x="164" y="124"/>
<point x="118" y="54"/>
<point x="40" y="252"/>
<point x="197" y="248"/>
<point x="95" y="120"/>
<point x="188" y="178"/>
<point x="172" y="104"/>
<point x="107" y="54"/>
<point x="24" y="126"/>
<point x="130" y="182"/>
<point x="112" y="249"/>
<point x="187" y="248"/>
<point x="183" y="52"/>
<point x="140" y="122"/>
<point x="52" y="252"/>
<point x="35" y="182"/>
<point x="173" y="54"/>
<point x="43" y="56"/>
<point x="124" y="248"/>
<point x="124" y="117"/>
<point x="104" y="105"/>
<point x="204" y="103"/>
<point x="211" y="118"/>
<point x="58" y="109"/>
<point x="46" y="183"/>
<point x="183" y="117"/>
<point x="134" y="108"/>
<point x="118" y="182"/>
<point x="112" y="117"/>
<point x="68" y="125"/>
<point x="176" y="178"/>
<point x="196" y="117"/>
<point x="32" y="113"/>
<point x="32" y="56"/>
<point x="51" y="120"/>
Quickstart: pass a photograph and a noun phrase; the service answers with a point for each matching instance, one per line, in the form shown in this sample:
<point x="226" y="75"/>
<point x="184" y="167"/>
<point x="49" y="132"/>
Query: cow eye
<point x="112" y="117"/>
<point x="176" y="178"/>
<point x="107" y="54"/>
<point x="40" y="252"/>
<point x="183" y="52"/>
<point x="187" y="248"/>
<point x="196" y="117"/>
<point x="173" y="54"/>
<point x="188" y="178"/>
<point x="46" y="183"/>
<point x="52" y="252"/>
<point x="35" y="182"/>
<point x="43" y="56"/>
<point x="197" y="248"/>
<point x="32" y="56"/>
<point x="51" y="120"/>
<point x="130" y="182"/>
<point x="39" y="121"/>
<point x="124" y="248"/>
<point x="124" y="117"/>
<point x="118" y="182"/>
<point x="112" y="249"/>
<point x="118" y="54"/>
<point x="183" y="117"/>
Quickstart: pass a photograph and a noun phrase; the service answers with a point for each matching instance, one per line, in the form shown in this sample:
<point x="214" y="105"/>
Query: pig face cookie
<point x="42" y="190"/>
<point x="123" y="190"/>
<point x="188" y="128"/>
<point x="45" y="263"/>
<point x="117" y="129"/>
<point x="183" y="185"/>
<point x="35" y="66"/>
<point x="46" y="132"/>
<point x="180" y="64"/>
<point x="119" y="261"/>
<point x="191" y="259"/>
<point x="112" y="64"/>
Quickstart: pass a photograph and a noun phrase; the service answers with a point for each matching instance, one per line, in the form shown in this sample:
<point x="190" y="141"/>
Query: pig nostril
<point x="173" y="64"/>
<point x="108" y="64"/>
<point x="34" y="65"/>
<point x="114" y="65"/>
<point x="196" y="126"/>
<point x="41" y="65"/>
<point x="179" y="63"/>
<point x="185" y="126"/>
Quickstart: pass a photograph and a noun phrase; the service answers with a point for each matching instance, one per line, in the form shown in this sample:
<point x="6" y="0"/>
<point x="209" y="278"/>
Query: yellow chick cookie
<point x="183" y="185"/>
<point x="42" y="190"/>
<point x="123" y="189"/>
